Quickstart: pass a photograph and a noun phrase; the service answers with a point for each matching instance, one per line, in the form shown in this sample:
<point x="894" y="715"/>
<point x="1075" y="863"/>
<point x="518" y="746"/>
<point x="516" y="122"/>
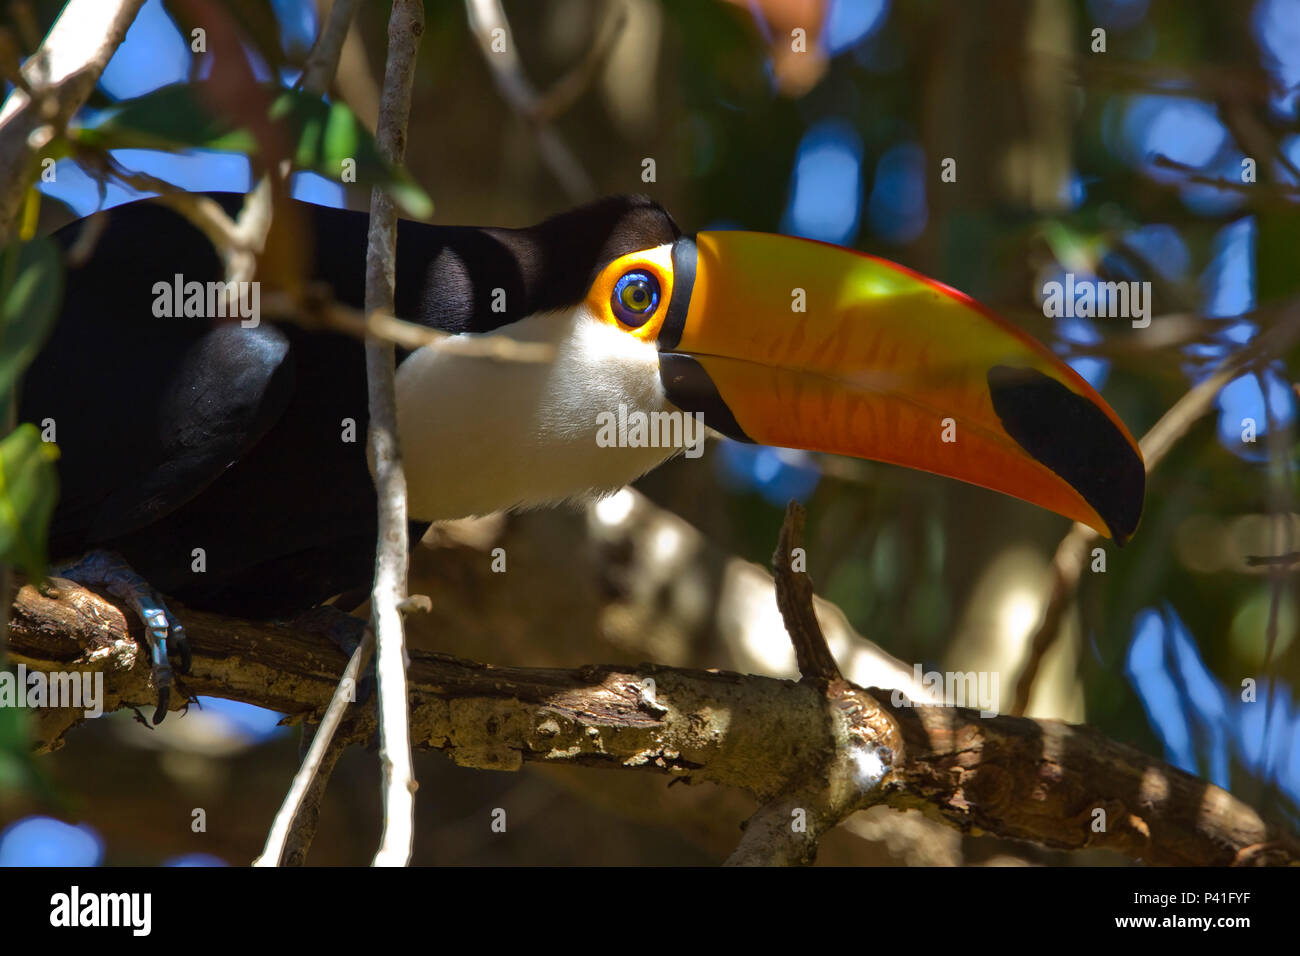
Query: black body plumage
<point x="182" y="433"/>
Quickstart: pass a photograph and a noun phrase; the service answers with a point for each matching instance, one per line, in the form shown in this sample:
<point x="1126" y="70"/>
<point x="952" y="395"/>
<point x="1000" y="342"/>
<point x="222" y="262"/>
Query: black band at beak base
<point x="684" y="255"/>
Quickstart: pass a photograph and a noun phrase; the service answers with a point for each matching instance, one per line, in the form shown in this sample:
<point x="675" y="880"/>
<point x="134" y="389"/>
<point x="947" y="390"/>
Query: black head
<point x="479" y="279"/>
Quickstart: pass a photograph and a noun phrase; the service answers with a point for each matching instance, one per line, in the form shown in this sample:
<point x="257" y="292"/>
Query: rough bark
<point x="1040" y="781"/>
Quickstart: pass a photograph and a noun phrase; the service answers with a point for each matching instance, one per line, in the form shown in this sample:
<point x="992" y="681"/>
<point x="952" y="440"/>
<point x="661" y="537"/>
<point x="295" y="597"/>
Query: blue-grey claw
<point x="109" y="573"/>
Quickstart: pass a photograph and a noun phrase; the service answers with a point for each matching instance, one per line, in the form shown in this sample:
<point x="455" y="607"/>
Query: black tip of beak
<point x="1074" y="438"/>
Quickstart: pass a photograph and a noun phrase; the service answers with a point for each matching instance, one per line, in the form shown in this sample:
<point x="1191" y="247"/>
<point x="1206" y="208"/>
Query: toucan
<point x="222" y="462"/>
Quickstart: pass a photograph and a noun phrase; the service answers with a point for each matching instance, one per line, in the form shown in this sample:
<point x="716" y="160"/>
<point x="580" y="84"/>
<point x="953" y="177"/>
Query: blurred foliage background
<point x="1117" y="155"/>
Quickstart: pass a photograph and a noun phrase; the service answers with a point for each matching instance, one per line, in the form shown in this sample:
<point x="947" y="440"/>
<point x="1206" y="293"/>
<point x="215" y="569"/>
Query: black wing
<point x="179" y="434"/>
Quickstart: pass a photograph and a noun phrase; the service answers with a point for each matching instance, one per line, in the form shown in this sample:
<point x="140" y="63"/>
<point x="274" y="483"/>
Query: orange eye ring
<point x="632" y="292"/>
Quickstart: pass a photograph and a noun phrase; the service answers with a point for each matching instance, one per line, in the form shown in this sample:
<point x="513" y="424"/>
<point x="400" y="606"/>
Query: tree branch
<point x="60" y="76"/>
<point x="794" y="598"/>
<point x="1040" y="781"/>
<point x="405" y="26"/>
<point x="488" y="23"/>
<point x="295" y="820"/>
<point x="323" y="61"/>
<point x="1071" y="554"/>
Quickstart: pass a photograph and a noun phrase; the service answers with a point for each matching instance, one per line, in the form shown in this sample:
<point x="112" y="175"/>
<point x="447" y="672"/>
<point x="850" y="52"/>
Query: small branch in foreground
<point x="794" y="594"/>
<point x="405" y="27"/>
<point x="312" y="306"/>
<point x="316" y="310"/>
<point x="862" y="744"/>
<point x="319" y="760"/>
<point x="298" y="842"/>
<point x="60" y="75"/>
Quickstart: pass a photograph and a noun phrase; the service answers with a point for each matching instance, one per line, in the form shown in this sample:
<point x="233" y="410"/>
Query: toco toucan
<point x="183" y="433"/>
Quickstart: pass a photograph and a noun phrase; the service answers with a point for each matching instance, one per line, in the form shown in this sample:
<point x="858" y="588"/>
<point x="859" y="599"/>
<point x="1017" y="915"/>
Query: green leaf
<point x="21" y="777"/>
<point x="1277" y="256"/>
<point x="29" y="487"/>
<point x="168" y="118"/>
<point x="329" y="134"/>
<point x="14" y="762"/>
<point x="31" y="286"/>
<point x="323" y="135"/>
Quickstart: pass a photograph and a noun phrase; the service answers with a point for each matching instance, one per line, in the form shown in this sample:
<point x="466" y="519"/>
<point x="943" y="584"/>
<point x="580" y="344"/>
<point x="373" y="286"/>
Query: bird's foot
<point x="109" y="573"/>
<point x="343" y="631"/>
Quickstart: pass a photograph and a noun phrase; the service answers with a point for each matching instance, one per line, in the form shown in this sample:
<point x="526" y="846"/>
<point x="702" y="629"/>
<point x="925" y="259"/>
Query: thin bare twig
<point x="1288" y="559"/>
<point x="315" y="309"/>
<point x="1071" y="554"/>
<point x="1192" y="175"/>
<point x="237" y="243"/>
<point x="865" y="741"/>
<point x="1251" y="135"/>
<point x="794" y="593"/>
<point x="61" y="74"/>
<point x="488" y="22"/>
<point x="1192" y="81"/>
<point x="307" y="818"/>
<point x="83" y="247"/>
<point x="323" y="61"/>
<point x="405" y="26"/>
<point x="304" y="780"/>
<point x="1267" y="345"/>
<point x="1281" y="505"/>
<point x="566" y="91"/>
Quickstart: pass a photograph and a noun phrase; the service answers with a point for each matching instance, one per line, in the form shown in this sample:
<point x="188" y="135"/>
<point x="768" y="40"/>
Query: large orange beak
<point x="801" y="344"/>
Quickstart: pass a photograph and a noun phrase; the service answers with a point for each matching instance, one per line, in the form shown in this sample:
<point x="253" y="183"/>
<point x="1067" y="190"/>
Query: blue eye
<point x="635" y="298"/>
